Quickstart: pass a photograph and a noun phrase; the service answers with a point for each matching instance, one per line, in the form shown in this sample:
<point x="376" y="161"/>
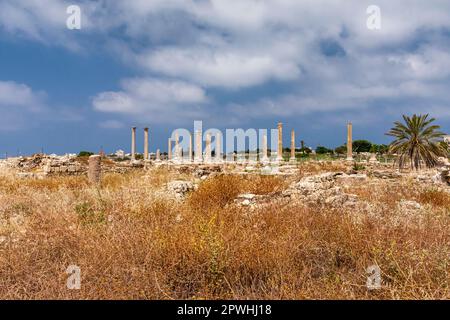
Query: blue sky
<point x="313" y="65"/>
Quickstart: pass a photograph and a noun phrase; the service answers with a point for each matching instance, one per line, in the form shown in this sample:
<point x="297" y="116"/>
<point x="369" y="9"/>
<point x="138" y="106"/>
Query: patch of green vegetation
<point x="87" y="214"/>
<point x="85" y="154"/>
<point x="358" y="167"/>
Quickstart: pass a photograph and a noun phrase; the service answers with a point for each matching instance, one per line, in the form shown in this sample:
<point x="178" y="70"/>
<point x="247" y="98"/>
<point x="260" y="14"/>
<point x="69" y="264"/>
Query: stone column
<point x="146" y="144"/>
<point x="349" y="142"/>
<point x="169" y="149"/>
<point x="208" y="148"/>
<point x="158" y="155"/>
<point x="292" y="145"/>
<point x="94" y="170"/>
<point x="280" y="142"/>
<point x="198" y="147"/>
<point x="265" y="157"/>
<point x="219" y="147"/>
<point x="133" y="143"/>
<point x="190" y="147"/>
<point x="177" y="147"/>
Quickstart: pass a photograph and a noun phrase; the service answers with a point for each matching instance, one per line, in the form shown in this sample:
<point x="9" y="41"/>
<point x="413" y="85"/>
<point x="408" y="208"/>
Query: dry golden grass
<point x="223" y="189"/>
<point x="132" y="244"/>
<point x="308" y="168"/>
<point x="434" y="197"/>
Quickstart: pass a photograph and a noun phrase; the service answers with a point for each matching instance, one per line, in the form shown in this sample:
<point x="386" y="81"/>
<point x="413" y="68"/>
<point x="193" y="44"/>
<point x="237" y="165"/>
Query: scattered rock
<point x="385" y="174"/>
<point x="349" y="178"/>
<point x="443" y="162"/>
<point x="444" y="175"/>
<point x="207" y="171"/>
<point x="246" y="200"/>
<point x="322" y="190"/>
<point x="179" y="189"/>
<point x="3" y="239"/>
<point x="408" y="206"/>
<point x="178" y="218"/>
<point x="248" y="196"/>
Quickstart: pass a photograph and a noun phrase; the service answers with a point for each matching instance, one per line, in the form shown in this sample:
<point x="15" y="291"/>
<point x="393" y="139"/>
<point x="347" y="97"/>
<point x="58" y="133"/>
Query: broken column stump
<point x="95" y="169"/>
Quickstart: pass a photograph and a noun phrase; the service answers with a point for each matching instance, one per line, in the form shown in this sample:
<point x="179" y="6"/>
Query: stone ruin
<point x="203" y="164"/>
<point x="39" y="165"/>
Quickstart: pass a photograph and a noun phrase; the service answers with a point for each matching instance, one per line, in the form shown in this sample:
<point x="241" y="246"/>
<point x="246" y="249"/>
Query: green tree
<point x="341" y="150"/>
<point x="417" y="141"/>
<point x="445" y="146"/>
<point x="85" y="154"/>
<point x="379" y="148"/>
<point x="362" y="146"/>
<point x="323" y="150"/>
<point x="305" y="150"/>
<point x="383" y="149"/>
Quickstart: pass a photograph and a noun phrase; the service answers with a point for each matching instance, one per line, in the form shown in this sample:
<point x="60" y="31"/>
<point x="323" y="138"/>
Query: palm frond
<point x="417" y="141"/>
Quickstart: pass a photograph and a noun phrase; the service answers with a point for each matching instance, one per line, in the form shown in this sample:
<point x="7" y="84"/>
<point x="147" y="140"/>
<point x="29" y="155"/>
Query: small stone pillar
<point x="158" y="155"/>
<point x="349" y="141"/>
<point x="133" y="143"/>
<point x="95" y="169"/>
<point x="146" y="144"/>
<point x="169" y="149"/>
<point x="292" y="146"/>
<point x="280" y="142"/>
<point x="198" y="147"/>
<point x="208" y="148"/>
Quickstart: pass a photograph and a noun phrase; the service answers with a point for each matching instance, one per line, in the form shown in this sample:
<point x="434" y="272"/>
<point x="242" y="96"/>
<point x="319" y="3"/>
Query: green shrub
<point x="85" y="154"/>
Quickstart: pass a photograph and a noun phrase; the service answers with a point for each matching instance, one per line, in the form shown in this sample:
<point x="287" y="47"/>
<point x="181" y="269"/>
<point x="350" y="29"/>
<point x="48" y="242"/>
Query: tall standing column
<point x="208" y="148"/>
<point x="219" y="147"/>
<point x="349" y="141"/>
<point x="265" y="157"/>
<point x="169" y="149"/>
<point x="292" y="145"/>
<point x="280" y="142"/>
<point x="177" y="147"/>
<point x="146" y="144"/>
<point x="198" y="147"/>
<point x="133" y="143"/>
<point x="190" y="147"/>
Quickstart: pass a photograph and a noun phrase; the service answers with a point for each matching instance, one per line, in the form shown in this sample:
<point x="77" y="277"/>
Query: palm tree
<point x="416" y="141"/>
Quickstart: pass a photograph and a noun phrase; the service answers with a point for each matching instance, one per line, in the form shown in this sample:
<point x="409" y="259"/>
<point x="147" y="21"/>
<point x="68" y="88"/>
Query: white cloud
<point x="17" y="103"/>
<point x="359" y="101"/>
<point x="22" y="106"/>
<point x="16" y="95"/>
<point x="164" y="100"/>
<point x="429" y="63"/>
<point x="229" y="69"/>
<point x="204" y="46"/>
<point x="111" y="124"/>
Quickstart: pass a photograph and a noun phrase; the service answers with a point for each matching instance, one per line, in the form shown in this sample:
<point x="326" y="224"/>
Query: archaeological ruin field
<point x="308" y="230"/>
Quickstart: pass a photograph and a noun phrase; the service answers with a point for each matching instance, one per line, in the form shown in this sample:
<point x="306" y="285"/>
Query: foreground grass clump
<point x="437" y="198"/>
<point x="132" y="244"/>
<point x="223" y="189"/>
